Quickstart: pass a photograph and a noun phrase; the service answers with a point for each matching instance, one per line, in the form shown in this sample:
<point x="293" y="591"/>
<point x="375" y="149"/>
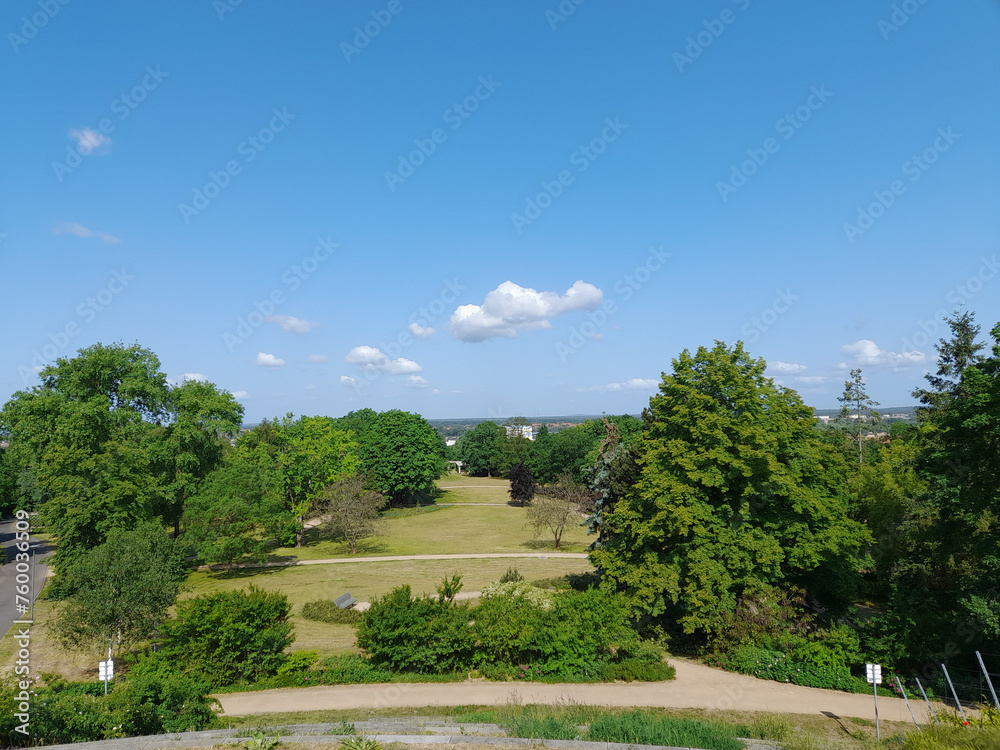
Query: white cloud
<point x="310" y="387"/>
<point x="240" y="394"/>
<point x="348" y="381"/>
<point x="194" y="376"/>
<point x="511" y="308"/>
<point x="318" y="358"/>
<point x="777" y="366"/>
<point x="436" y="392"/>
<point x="419" y="331"/>
<point x="269" y="360"/>
<point x="90" y="141"/>
<point x="811" y="379"/>
<point x="416" y="381"/>
<point x="867" y="352"/>
<point x="291" y="324"/>
<point x="78" y="230"/>
<point x="371" y="358"/>
<point x="633" y="384"/>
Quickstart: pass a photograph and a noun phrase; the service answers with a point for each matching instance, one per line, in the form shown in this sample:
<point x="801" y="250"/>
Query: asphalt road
<point x="8" y="610"/>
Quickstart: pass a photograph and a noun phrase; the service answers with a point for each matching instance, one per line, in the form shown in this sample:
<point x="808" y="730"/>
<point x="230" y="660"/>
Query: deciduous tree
<point x="350" y="511"/>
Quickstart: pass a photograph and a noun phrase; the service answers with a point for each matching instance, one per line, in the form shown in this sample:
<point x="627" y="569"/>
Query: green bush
<point x="143" y="703"/>
<point x="347" y="669"/>
<point x="638" y="728"/>
<point x="511" y="576"/>
<point x="637" y="670"/>
<point x="231" y="637"/>
<point x="326" y="610"/>
<point x="298" y="662"/>
<point x="416" y="635"/>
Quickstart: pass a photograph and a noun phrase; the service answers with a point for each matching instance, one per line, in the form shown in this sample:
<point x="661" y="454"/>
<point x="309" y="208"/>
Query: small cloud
<point x="90" y="141"/>
<point x="348" y="381"/>
<point x="785" y="367"/>
<point x="419" y="331"/>
<point x="511" y="308"/>
<point x="867" y="352"/>
<point x="596" y="336"/>
<point x="194" y="376"/>
<point x="310" y="387"/>
<point x="78" y="230"/>
<point x="37" y="368"/>
<point x="241" y="394"/>
<point x="370" y="358"/>
<point x="416" y="381"/>
<point x="291" y="324"/>
<point x="811" y="379"/>
<point x="269" y="360"/>
<point x="633" y="384"/>
<point x="436" y="392"/>
<point x="318" y="358"/>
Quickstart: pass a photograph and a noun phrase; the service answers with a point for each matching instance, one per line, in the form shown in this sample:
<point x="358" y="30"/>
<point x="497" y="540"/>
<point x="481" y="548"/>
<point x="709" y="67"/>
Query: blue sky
<point x="287" y="198"/>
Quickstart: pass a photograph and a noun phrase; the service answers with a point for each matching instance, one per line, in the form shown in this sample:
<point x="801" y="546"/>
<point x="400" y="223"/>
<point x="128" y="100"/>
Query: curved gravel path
<point x="696" y="686"/>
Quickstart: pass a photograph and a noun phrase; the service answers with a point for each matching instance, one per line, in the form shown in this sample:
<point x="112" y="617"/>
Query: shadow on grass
<point x="550" y="546"/>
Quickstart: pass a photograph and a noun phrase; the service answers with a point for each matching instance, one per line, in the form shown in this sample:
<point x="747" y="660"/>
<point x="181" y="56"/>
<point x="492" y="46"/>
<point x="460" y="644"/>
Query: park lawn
<point x="47" y="656"/>
<point x="365" y="581"/>
<point x="441" y="531"/>
<point x="461" y="488"/>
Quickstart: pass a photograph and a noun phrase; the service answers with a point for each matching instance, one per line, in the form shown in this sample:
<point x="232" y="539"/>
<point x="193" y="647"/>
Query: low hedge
<point x="326" y="610"/>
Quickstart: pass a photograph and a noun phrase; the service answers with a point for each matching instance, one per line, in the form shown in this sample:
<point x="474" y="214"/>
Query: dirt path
<point x="391" y="558"/>
<point x="696" y="686"/>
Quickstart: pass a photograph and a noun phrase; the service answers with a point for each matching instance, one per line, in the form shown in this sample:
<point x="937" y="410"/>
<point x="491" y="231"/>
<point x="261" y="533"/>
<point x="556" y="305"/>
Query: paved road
<point x="8" y="612"/>
<point x="696" y="686"/>
<point x="391" y="558"/>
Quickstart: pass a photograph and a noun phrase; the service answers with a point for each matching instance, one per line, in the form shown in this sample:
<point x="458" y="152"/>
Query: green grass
<point x="455" y="530"/>
<point x="466" y="489"/>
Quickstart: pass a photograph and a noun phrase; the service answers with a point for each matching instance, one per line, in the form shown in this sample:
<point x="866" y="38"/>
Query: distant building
<point x="450" y="442"/>
<point x="525" y="431"/>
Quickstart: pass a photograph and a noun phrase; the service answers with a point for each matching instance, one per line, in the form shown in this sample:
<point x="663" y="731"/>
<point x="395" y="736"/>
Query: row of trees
<point x="106" y="442"/>
<point x="487" y="450"/>
<point x="735" y="507"/>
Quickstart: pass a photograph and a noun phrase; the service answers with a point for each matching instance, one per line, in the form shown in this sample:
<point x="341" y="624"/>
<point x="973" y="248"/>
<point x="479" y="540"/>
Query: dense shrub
<point x="418" y="635"/>
<point x="142" y="704"/>
<point x="231" y="637"/>
<point x="326" y="610"/>
<point x="637" y="670"/>
<point x="507" y="636"/>
<point x="512" y="591"/>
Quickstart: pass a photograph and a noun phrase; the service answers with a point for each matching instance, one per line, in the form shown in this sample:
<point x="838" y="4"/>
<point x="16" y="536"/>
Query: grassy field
<point x="461" y="488"/>
<point x="430" y="530"/>
<point x="461" y="529"/>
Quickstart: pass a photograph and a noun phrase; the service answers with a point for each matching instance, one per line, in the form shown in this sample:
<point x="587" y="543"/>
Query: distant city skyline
<point x="499" y="210"/>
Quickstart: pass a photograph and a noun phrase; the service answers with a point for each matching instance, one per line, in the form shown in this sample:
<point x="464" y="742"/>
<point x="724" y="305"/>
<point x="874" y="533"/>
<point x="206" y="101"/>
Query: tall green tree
<point x="477" y="449"/>
<point x="402" y="455"/>
<point x="522" y="484"/>
<point x="350" y="511"/>
<point x="857" y="405"/>
<point x="736" y="496"/>
<point x="236" y="513"/>
<point x="611" y="477"/>
<point x="203" y="419"/>
<point x="79" y="437"/>
<point x="954" y="356"/>
<point x="119" y="592"/>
